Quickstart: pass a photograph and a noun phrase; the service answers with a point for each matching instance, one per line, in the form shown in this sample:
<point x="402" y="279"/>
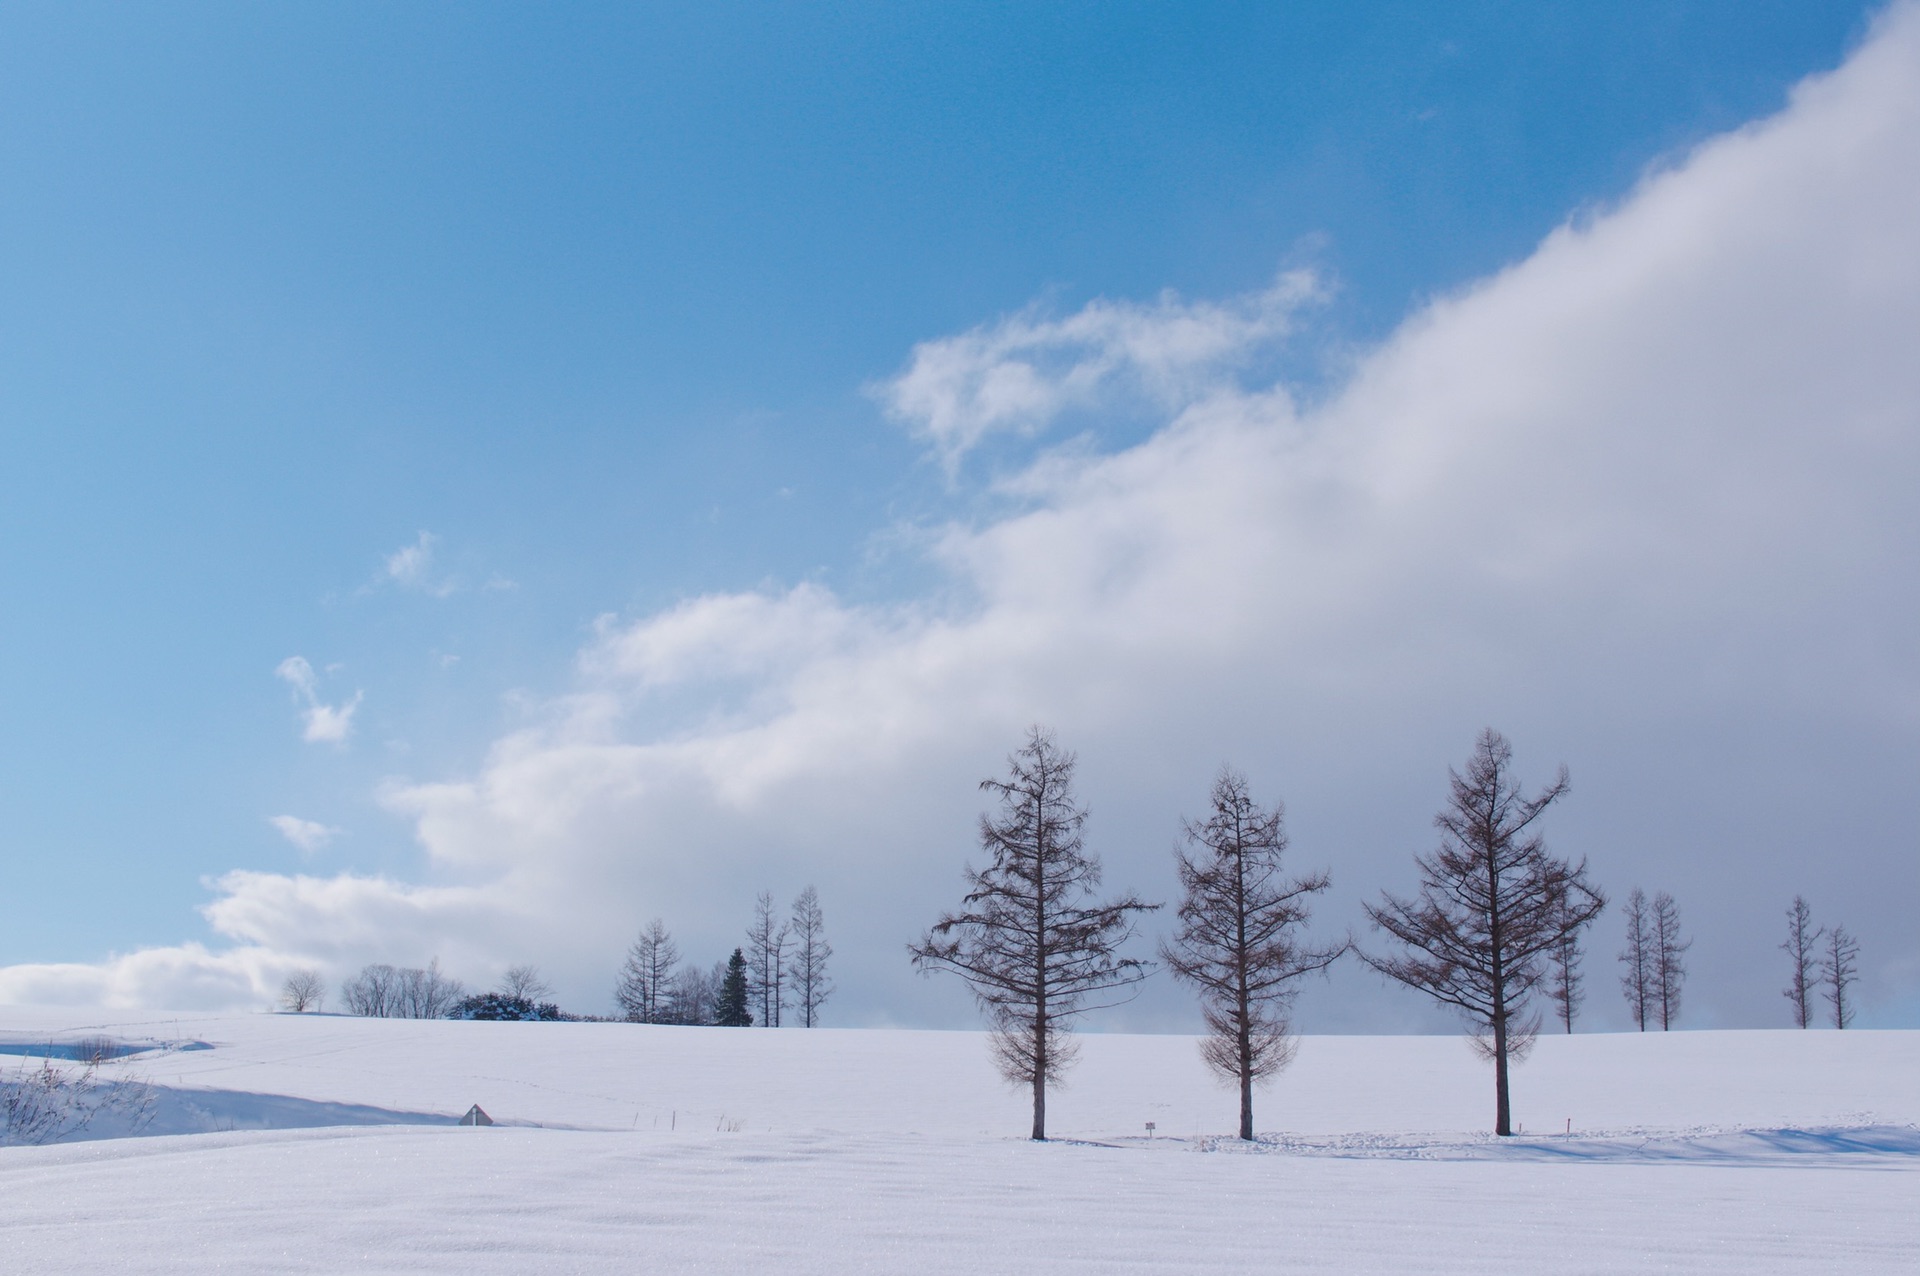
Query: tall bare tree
<point x="1636" y="979"/>
<point x="1029" y="940"/>
<point x="1838" y="971"/>
<point x="1239" y="938"/>
<point x="1492" y="903"/>
<point x="646" y="979"/>
<point x="811" y="987"/>
<point x="1803" y="949"/>
<point x="1564" y="978"/>
<point x="1669" y="970"/>
<point x="766" y="957"/>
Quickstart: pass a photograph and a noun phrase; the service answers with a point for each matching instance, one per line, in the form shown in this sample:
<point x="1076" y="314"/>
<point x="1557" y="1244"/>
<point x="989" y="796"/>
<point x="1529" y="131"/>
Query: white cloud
<point x="322" y="723"/>
<point x="1021" y="372"/>
<point x="308" y="835"/>
<point x="408" y="566"/>
<point x="411" y="567"/>
<point x="1644" y="501"/>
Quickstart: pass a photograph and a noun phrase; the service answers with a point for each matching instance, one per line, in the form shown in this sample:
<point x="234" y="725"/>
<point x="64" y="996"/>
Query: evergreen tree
<point x="730" y="1007"/>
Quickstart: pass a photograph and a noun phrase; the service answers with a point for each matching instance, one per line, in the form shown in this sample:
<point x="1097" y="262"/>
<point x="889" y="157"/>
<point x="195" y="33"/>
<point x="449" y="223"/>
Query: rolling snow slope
<point x="850" y="1150"/>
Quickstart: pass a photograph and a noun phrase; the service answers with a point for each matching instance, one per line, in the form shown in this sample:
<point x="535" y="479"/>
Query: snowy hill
<point x="283" y="1143"/>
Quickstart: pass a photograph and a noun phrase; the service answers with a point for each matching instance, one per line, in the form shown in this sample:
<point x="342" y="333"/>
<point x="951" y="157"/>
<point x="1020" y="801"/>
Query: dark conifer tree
<point x="730" y="1007"/>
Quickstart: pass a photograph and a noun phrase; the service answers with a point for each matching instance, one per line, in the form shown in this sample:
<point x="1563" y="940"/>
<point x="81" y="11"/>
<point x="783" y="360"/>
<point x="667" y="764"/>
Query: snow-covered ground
<point x="317" y="1143"/>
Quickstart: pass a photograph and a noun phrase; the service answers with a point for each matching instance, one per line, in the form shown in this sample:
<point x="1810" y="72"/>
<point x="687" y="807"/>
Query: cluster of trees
<point x="381" y="991"/>
<point x="1831" y="969"/>
<point x="1496" y="918"/>
<point x="1652" y="959"/>
<point x="782" y="967"/>
<point x="1039" y="949"/>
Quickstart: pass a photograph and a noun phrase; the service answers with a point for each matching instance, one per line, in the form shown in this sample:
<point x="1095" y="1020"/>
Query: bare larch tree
<point x="1239" y="940"/>
<point x="811" y="987"/>
<point x="1669" y="970"/>
<point x="646" y="979"/>
<point x="1564" y="978"/>
<point x="1029" y="940"/>
<point x="766" y="955"/>
<point x="1838" y="971"/>
<point x="1803" y="949"/>
<point x="1492" y="904"/>
<point x="1636" y="960"/>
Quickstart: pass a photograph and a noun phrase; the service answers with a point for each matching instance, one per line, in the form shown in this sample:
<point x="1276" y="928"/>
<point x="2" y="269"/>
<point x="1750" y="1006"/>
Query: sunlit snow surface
<point x="890" y="1151"/>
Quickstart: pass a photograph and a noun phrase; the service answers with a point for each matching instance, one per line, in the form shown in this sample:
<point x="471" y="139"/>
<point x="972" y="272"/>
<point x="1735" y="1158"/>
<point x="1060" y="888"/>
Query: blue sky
<point x="604" y="302"/>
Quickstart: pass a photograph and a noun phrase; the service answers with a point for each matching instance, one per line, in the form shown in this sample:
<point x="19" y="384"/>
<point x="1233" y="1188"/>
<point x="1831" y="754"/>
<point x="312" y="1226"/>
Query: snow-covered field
<point x="316" y="1143"/>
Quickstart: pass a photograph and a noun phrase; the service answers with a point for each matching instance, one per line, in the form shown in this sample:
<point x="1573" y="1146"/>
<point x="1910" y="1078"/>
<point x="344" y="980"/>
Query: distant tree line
<point x="781" y="968"/>
<point x="1496" y="919"/>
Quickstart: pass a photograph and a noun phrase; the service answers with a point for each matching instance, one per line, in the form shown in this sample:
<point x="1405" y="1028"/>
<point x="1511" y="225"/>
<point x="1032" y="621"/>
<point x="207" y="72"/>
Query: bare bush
<point x="46" y="1104"/>
<point x="523" y="983"/>
<point x="305" y="990"/>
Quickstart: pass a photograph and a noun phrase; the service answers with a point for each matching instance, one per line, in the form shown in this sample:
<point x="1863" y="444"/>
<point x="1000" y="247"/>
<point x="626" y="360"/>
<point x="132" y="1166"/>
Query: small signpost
<point x="1150" y="1129"/>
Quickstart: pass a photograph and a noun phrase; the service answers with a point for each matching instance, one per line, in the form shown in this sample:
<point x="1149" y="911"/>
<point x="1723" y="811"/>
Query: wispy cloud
<point x="411" y="567"/>
<point x="322" y="723"/>
<point x="1020" y="373"/>
<point x="308" y="835"/>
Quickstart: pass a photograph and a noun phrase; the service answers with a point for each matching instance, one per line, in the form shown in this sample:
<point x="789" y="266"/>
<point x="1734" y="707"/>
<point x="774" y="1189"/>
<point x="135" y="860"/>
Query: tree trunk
<point x="1040" y="1046"/>
<point x="1502" y="1120"/>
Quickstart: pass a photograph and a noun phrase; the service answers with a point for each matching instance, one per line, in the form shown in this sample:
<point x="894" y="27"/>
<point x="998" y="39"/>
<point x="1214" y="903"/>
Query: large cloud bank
<point x="1645" y="501"/>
